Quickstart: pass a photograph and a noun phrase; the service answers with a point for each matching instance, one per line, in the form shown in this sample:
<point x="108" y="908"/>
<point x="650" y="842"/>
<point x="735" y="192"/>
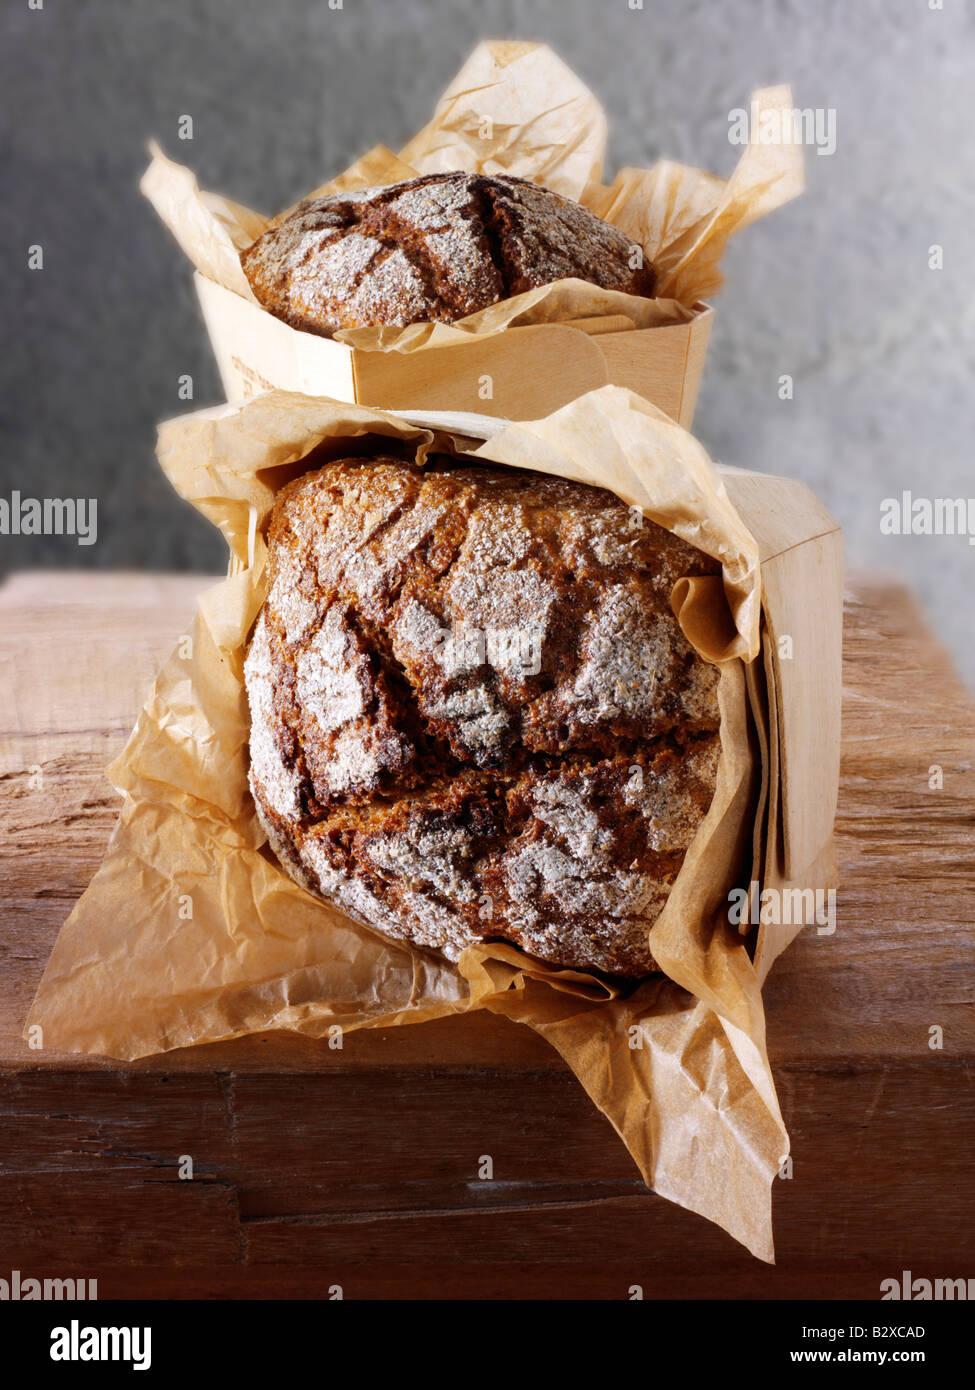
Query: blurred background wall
<point x="835" y="290"/>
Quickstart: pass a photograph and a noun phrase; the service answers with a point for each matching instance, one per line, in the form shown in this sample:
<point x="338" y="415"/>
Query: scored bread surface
<point x="433" y="249"/>
<point x="474" y="715"/>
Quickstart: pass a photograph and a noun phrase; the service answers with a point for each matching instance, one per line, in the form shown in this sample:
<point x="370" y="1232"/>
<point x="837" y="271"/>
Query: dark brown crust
<point x="443" y="782"/>
<point x="435" y="248"/>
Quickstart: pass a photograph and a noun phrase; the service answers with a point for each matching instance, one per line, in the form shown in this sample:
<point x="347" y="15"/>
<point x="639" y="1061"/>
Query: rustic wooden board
<point x="359" y="1167"/>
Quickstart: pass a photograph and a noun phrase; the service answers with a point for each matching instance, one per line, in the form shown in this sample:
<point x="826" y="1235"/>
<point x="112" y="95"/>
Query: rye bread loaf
<point x="433" y="249"/>
<point x="474" y="715"/>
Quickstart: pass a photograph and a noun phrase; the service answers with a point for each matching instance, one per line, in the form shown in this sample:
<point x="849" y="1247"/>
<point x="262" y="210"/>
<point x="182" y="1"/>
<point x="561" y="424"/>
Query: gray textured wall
<point x="834" y="290"/>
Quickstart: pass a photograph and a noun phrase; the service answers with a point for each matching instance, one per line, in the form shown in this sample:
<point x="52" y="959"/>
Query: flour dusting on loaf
<point x="435" y="248"/>
<point x="474" y="715"/>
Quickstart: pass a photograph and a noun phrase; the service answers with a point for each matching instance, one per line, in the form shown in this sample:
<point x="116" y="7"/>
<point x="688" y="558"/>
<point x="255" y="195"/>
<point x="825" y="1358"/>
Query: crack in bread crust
<point x="443" y="781"/>
<point x="432" y="249"/>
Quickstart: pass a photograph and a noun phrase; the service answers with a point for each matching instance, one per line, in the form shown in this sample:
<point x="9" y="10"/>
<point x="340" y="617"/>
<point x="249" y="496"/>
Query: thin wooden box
<point x="529" y="371"/>
<point x="798" y="679"/>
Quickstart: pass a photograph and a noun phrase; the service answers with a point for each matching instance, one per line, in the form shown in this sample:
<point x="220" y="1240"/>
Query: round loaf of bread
<point x="473" y="713"/>
<point x="432" y="249"/>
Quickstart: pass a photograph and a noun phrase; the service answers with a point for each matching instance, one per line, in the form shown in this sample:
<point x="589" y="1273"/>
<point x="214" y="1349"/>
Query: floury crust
<point x="474" y="715"/>
<point x="433" y="249"/>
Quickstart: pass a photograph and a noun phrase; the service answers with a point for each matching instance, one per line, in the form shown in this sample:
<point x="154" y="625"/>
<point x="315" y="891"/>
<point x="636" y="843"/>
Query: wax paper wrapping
<point x="515" y="108"/>
<point x="677" y="1063"/>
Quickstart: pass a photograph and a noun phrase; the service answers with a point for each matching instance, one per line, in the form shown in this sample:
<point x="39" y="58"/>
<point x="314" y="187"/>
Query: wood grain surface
<point x="359" y="1167"/>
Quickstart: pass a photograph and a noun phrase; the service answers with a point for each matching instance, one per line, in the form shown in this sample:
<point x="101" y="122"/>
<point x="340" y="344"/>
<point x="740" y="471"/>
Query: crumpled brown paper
<point x="515" y="108"/>
<point x="678" y="1064"/>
